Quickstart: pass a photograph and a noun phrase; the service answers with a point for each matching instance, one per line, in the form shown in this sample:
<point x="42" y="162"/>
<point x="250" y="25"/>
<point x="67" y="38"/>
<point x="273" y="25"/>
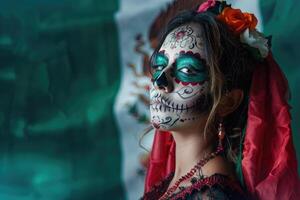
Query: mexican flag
<point x="74" y="92"/>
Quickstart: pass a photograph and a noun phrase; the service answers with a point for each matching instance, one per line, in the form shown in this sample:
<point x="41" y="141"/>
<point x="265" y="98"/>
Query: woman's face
<point x="178" y="97"/>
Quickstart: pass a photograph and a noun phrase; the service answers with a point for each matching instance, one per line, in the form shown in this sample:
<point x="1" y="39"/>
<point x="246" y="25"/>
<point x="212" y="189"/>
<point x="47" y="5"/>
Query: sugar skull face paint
<point x="180" y="80"/>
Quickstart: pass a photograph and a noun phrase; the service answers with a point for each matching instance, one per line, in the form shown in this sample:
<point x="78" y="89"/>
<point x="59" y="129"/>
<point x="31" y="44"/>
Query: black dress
<point x="215" y="187"/>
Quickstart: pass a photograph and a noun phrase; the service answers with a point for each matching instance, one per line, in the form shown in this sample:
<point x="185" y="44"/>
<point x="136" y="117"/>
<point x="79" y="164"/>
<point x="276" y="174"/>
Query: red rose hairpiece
<point x="241" y="24"/>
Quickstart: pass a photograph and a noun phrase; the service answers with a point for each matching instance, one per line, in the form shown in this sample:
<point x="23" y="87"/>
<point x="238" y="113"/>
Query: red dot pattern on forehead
<point x="180" y="35"/>
<point x="191" y="53"/>
<point x="196" y="55"/>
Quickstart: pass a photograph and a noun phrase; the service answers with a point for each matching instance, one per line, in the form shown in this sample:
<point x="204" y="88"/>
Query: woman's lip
<point x="155" y="125"/>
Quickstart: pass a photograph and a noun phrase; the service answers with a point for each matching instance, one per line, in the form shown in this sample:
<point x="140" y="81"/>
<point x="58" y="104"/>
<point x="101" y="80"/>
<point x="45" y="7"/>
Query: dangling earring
<point x="221" y="136"/>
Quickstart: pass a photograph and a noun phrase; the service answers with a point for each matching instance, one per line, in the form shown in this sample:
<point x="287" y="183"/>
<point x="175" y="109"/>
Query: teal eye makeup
<point x="158" y="64"/>
<point x="190" y="69"/>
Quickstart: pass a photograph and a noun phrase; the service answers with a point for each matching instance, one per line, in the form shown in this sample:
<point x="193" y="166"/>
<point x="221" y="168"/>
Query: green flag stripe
<point x="59" y="77"/>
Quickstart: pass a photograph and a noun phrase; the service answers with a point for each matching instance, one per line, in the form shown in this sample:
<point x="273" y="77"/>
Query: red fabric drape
<point x="269" y="162"/>
<point x="162" y="159"/>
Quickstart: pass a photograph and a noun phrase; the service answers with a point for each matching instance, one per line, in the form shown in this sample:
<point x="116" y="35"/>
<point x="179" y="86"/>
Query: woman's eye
<point x="187" y="71"/>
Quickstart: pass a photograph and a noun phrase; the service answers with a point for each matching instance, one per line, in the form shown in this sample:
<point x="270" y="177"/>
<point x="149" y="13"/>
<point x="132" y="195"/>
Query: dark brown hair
<point x="172" y="9"/>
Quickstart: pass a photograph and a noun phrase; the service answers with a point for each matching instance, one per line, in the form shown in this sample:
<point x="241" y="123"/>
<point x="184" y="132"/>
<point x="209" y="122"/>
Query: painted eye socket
<point x="156" y="70"/>
<point x="159" y="62"/>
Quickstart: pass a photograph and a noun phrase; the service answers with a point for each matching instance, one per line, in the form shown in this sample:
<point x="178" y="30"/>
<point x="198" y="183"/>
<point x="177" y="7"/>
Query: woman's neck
<point x="190" y="148"/>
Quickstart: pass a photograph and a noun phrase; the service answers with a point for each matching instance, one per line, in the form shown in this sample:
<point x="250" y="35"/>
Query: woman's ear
<point x="230" y="102"/>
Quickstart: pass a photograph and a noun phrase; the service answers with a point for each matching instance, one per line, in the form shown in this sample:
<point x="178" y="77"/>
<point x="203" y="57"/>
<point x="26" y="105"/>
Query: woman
<point x="211" y="73"/>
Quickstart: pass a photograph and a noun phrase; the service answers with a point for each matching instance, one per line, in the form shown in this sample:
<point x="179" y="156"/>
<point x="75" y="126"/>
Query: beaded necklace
<point x="190" y="174"/>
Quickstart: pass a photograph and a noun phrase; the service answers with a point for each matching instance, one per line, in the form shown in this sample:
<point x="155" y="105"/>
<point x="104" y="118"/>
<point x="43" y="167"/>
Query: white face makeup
<point x="180" y="80"/>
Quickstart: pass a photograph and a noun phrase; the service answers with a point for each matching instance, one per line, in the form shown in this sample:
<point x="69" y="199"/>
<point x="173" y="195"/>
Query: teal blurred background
<point x="59" y="74"/>
<point x="281" y="19"/>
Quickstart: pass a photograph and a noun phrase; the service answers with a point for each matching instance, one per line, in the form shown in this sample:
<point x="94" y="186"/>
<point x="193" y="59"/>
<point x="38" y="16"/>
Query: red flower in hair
<point x="237" y="20"/>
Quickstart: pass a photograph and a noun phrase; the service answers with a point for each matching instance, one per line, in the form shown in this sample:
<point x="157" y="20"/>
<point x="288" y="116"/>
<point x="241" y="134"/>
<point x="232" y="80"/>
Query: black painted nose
<point x="164" y="82"/>
<point x="161" y="81"/>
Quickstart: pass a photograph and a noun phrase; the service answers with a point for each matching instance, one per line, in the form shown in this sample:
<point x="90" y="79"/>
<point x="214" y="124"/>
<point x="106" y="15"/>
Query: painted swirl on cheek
<point x="186" y="92"/>
<point x="198" y="95"/>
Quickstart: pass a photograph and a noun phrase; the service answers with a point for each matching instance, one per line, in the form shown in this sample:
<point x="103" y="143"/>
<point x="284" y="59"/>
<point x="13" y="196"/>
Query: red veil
<point x="269" y="162"/>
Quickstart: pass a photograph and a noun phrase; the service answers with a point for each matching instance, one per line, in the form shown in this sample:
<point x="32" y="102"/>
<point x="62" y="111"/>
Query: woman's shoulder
<point x="214" y="187"/>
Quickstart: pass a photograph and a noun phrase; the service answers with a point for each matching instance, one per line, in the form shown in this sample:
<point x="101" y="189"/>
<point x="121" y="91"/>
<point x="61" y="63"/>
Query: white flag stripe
<point x="133" y="18"/>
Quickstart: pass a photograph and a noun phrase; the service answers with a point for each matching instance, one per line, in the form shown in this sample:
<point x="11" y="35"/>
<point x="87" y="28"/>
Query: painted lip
<point x="156" y="125"/>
